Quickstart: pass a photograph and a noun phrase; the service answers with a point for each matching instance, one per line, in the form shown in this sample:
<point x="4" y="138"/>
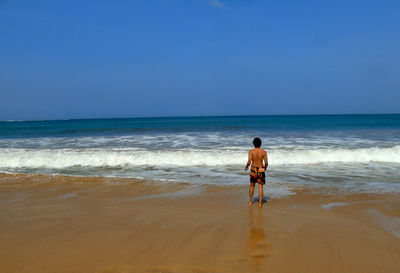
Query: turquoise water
<point x="299" y="123"/>
<point x="341" y="152"/>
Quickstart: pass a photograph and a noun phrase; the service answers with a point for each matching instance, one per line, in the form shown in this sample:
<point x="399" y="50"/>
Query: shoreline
<point x="76" y="224"/>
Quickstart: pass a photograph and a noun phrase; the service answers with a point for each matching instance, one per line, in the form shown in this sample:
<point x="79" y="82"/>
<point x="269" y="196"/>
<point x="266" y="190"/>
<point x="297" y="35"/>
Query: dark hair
<point x="257" y="142"/>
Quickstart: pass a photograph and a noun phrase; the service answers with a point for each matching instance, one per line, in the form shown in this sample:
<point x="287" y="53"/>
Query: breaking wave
<point x="112" y="157"/>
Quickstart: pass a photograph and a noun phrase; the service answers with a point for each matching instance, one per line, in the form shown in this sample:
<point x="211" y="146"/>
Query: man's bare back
<point x="257" y="157"/>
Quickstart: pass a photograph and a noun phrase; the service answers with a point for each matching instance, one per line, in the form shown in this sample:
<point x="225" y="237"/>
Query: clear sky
<point x="91" y="59"/>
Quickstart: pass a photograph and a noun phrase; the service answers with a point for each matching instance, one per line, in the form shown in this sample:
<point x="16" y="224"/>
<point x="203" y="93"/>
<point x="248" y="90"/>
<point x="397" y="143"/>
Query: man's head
<point x="257" y="142"/>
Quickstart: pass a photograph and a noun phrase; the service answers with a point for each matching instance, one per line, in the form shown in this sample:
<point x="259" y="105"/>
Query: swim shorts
<point x="257" y="175"/>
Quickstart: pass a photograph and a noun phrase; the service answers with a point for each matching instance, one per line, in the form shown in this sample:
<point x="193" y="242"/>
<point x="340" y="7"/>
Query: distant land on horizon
<point x="198" y="116"/>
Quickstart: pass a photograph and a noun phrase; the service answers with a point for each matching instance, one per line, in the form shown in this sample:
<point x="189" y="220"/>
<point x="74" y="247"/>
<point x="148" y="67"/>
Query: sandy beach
<point x="80" y="224"/>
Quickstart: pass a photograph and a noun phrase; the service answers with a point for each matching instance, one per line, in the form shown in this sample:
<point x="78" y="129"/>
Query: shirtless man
<point x="259" y="162"/>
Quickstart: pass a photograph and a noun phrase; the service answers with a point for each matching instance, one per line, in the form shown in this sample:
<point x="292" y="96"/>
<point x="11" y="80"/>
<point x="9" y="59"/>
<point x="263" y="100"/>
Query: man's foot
<point x="260" y="205"/>
<point x="250" y="203"/>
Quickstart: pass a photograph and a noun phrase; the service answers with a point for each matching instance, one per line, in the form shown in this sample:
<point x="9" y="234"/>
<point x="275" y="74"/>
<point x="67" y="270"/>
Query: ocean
<point x="338" y="153"/>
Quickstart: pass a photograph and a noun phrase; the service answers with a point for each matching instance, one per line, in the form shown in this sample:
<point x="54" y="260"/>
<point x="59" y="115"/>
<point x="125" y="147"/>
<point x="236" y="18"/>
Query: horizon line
<point x="197" y="116"/>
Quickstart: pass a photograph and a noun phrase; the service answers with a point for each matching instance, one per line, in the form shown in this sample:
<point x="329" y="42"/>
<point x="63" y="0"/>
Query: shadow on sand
<point x="264" y="199"/>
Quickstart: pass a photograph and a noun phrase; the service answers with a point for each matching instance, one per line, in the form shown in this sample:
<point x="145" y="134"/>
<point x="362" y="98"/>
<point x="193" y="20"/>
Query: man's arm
<point x="248" y="161"/>
<point x="266" y="160"/>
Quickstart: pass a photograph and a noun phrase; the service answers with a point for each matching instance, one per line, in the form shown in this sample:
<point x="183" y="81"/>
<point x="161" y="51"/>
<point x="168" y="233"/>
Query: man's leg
<point x="251" y="192"/>
<point x="261" y="194"/>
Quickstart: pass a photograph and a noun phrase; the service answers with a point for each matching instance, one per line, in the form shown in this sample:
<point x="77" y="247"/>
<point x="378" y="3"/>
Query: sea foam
<point x="103" y="157"/>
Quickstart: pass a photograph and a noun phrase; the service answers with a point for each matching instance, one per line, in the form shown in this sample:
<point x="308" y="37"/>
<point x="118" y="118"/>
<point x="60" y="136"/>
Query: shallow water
<point x="358" y="153"/>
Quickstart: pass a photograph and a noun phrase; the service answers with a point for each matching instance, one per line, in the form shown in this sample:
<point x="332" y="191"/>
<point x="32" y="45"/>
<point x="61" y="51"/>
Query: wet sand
<point x="73" y="224"/>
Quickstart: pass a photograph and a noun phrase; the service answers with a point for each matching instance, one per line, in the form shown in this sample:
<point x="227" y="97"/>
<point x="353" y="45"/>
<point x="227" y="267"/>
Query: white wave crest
<point x="112" y="157"/>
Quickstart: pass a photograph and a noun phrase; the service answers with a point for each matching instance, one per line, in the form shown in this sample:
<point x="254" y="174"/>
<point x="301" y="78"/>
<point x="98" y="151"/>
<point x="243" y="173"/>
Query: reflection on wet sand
<point x="257" y="243"/>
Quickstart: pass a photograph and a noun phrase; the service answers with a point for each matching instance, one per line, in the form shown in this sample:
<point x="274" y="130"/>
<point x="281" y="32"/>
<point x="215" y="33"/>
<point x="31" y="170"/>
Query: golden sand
<point x="56" y="224"/>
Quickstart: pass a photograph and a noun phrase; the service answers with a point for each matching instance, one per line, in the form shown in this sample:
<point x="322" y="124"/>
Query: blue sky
<point x="90" y="59"/>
